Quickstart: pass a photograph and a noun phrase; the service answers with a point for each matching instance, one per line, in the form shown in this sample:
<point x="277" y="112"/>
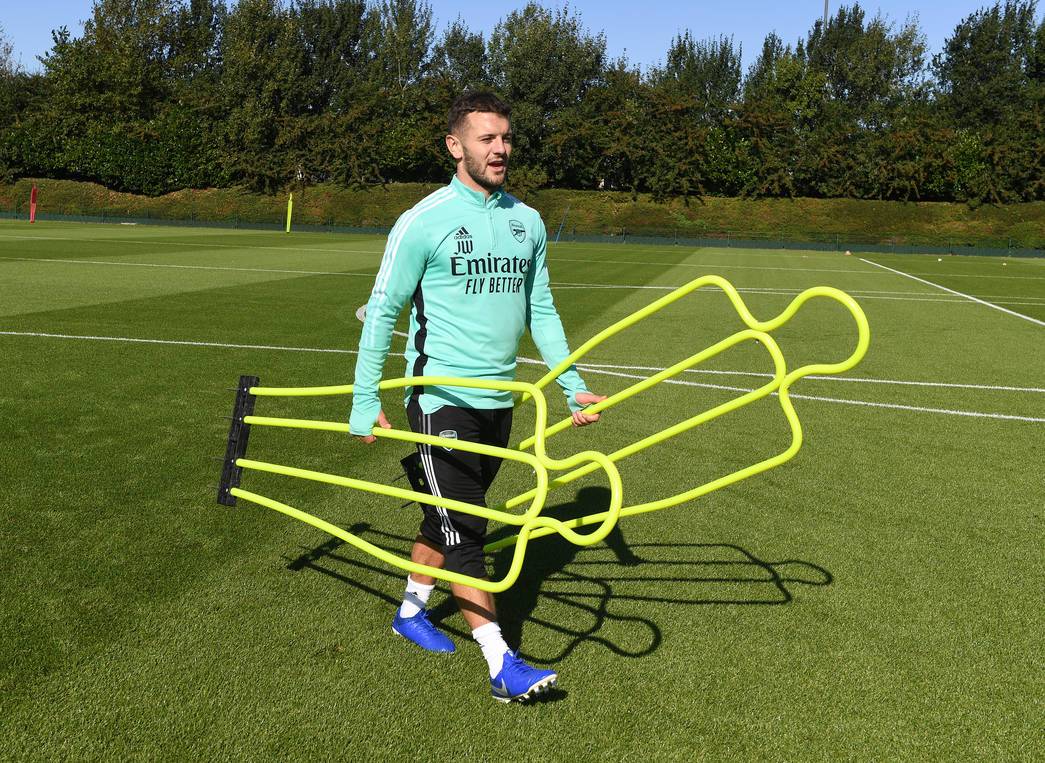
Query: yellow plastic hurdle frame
<point x="530" y="522"/>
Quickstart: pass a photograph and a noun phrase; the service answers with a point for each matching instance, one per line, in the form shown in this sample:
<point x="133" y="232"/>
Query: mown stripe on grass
<point x="563" y="285"/>
<point x="587" y="369"/>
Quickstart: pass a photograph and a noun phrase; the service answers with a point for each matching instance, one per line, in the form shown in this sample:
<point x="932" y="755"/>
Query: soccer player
<point x="472" y="260"/>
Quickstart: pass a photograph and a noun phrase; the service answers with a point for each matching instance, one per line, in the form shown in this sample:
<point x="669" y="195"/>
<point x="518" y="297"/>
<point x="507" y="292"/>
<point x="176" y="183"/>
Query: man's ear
<point x="453" y="145"/>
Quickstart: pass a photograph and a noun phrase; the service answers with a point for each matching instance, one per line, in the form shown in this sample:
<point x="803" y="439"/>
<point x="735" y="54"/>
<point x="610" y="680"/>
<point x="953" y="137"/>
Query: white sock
<point x="492" y="644"/>
<point x="416" y="597"/>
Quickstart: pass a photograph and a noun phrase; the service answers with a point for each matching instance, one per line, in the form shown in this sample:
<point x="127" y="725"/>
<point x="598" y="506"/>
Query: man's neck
<point x="466" y="179"/>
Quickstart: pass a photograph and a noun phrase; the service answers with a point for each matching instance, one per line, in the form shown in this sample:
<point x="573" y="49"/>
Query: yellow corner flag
<point x="290" y="210"/>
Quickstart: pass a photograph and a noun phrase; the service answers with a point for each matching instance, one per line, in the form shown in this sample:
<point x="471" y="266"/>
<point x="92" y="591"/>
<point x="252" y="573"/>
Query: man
<point x="472" y="259"/>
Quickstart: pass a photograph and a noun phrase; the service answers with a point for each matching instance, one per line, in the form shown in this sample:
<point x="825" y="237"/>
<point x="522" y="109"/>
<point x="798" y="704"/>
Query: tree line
<point x="159" y="95"/>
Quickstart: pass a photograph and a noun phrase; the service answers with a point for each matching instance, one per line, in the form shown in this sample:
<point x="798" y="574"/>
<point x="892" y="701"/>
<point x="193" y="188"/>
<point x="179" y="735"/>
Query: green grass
<point x="877" y="597"/>
<point x="585" y="212"/>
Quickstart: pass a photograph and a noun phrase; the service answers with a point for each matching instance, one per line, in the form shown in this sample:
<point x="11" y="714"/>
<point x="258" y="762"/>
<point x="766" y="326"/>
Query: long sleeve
<point x="402" y="266"/>
<point x="545" y="325"/>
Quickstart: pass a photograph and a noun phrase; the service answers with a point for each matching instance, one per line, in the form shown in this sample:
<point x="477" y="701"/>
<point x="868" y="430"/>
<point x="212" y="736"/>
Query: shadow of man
<point x="548" y="556"/>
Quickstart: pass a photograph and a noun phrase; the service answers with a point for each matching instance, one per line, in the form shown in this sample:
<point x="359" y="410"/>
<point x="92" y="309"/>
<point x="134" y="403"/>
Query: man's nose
<point x="499" y="146"/>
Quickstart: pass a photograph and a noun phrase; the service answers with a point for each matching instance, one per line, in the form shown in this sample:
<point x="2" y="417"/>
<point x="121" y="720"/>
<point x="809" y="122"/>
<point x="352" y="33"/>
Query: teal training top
<point x="474" y="268"/>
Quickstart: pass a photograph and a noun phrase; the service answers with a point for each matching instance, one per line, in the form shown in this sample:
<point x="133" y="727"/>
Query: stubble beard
<point x="475" y="172"/>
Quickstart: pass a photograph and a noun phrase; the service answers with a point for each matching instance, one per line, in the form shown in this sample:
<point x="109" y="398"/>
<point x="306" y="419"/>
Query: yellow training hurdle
<point x="530" y="522"/>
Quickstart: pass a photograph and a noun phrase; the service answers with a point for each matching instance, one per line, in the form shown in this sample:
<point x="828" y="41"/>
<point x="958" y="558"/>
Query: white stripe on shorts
<point x="450" y="536"/>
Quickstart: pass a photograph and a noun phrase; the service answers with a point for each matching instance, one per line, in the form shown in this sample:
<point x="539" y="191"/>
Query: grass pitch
<point x="880" y="596"/>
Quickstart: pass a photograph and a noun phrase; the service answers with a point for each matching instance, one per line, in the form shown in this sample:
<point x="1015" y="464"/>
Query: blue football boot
<point x="517" y="680"/>
<point x="420" y="630"/>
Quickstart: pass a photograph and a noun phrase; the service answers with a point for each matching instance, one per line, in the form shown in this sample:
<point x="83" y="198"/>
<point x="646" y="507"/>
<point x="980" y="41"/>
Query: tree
<point x="988" y="68"/>
<point x="545" y="64"/>
<point x="599" y="144"/>
<point x="334" y="37"/>
<point x="7" y="63"/>
<point x="782" y="111"/>
<point x="459" y="59"/>
<point x="403" y="43"/>
<point x="869" y="66"/>
<point x="708" y="71"/>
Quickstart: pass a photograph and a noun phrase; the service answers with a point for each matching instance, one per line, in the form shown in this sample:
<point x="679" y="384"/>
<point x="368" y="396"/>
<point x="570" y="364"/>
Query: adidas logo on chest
<point x="465" y="245"/>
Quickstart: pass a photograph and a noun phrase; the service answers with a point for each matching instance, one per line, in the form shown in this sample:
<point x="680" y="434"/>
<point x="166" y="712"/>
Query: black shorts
<point x="460" y="475"/>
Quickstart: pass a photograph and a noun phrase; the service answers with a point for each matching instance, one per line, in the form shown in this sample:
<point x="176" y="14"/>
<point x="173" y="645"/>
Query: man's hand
<point x="382" y="421"/>
<point x="580" y="418"/>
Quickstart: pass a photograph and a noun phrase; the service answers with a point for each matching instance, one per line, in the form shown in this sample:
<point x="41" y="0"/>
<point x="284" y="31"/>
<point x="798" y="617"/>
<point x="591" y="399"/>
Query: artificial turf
<point x="879" y="596"/>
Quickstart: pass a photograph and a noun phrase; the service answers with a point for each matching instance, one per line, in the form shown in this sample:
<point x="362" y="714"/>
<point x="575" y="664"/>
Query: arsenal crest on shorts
<point x="450" y="434"/>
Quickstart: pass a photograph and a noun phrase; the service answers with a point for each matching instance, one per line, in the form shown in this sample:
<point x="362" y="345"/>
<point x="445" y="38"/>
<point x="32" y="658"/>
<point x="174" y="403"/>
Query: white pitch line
<point x="191" y="244"/>
<point x="182" y="342"/>
<point x="726" y="266"/>
<point x="782" y="290"/>
<point x="795" y="396"/>
<point x="958" y="293"/>
<point x="867" y="294"/>
<point x="705" y="266"/>
<point x="927" y="298"/>
<point x="284" y="348"/>
<point x="189" y="267"/>
<point x="853" y="379"/>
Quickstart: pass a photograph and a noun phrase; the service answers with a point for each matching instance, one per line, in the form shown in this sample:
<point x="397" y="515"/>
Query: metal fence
<point x="653" y="237"/>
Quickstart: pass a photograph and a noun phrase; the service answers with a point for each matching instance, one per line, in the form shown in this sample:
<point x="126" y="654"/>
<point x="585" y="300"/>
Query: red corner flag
<point x="32" y="205"/>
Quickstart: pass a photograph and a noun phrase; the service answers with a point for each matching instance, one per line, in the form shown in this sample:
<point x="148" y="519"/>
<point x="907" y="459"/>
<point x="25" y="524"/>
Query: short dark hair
<point x="478" y="100"/>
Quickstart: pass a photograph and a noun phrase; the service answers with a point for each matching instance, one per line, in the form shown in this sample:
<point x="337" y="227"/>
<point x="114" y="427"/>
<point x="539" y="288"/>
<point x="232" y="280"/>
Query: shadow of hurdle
<point x="610" y="594"/>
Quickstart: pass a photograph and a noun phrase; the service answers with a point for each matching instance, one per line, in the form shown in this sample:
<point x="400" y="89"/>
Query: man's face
<point x="481" y="145"/>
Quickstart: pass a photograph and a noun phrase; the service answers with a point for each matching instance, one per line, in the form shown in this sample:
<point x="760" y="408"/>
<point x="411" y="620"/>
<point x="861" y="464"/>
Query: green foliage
<point x="7" y="64"/>
<point x="988" y="67"/>
<point x="459" y="60"/>
<point x="868" y="68"/>
<point x="544" y="63"/>
<point x="589" y="212"/>
<point x="707" y="71"/>
<point x="158" y="95"/>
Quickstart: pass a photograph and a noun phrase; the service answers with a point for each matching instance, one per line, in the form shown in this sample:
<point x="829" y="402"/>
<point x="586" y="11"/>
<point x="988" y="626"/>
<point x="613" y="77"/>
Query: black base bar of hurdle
<point x="239" y="432"/>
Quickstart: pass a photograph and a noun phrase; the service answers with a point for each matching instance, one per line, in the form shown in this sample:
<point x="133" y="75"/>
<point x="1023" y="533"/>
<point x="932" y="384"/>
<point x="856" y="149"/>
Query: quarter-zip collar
<point x="476" y="197"/>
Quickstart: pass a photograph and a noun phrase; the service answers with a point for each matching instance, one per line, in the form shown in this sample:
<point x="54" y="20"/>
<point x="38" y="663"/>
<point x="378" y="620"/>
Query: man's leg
<point x="477" y="606"/>
<point x="411" y="619"/>
<point x="427" y="553"/>
<point x="465" y="476"/>
<point x="419" y="587"/>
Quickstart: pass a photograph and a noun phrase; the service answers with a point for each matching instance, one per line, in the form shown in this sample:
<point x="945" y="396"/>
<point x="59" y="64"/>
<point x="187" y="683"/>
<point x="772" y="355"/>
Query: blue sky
<point x="641" y="29"/>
